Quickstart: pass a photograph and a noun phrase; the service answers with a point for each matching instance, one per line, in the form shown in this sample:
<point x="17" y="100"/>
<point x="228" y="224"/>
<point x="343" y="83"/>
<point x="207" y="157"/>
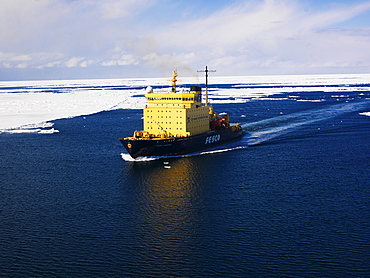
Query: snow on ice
<point x="25" y="103"/>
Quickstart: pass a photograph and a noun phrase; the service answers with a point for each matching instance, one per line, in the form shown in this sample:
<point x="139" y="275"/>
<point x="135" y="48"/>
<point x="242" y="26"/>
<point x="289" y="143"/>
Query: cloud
<point x="271" y="34"/>
<point x="231" y="26"/>
<point x="121" y="60"/>
<point x="21" y="58"/>
<point x="74" y="62"/>
<point x="245" y="37"/>
<point x="114" y="9"/>
<point x="50" y="65"/>
<point x="336" y="15"/>
<point x="87" y="63"/>
<point x="68" y="28"/>
<point x="12" y="59"/>
<point x="22" y="66"/>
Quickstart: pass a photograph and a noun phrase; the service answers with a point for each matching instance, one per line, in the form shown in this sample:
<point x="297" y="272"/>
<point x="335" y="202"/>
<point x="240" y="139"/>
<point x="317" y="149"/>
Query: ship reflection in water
<point x="169" y="207"/>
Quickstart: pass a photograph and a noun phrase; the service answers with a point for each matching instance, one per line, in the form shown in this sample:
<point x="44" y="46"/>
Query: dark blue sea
<point x="290" y="199"/>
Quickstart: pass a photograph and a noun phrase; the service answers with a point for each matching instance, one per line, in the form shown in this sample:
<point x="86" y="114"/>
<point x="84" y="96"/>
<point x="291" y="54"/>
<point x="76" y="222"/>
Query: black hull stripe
<point x="179" y="146"/>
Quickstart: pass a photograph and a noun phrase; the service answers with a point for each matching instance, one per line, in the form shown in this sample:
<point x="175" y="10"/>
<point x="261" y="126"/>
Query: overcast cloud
<point x="65" y="39"/>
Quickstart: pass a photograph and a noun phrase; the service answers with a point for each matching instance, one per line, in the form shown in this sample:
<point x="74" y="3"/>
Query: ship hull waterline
<point x="179" y="145"/>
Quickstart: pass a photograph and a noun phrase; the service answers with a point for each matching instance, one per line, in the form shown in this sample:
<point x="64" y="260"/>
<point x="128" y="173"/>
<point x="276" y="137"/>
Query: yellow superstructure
<point x="177" y="122"/>
<point x="176" y="114"/>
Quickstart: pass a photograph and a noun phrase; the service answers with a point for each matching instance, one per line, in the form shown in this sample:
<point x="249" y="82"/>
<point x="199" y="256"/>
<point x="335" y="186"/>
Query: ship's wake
<point x="265" y="130"/>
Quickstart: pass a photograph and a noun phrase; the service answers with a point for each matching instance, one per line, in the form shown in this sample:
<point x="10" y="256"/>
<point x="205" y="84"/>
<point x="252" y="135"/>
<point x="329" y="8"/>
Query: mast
<point x="206" y="71"/>
<point x="174" y="80"/>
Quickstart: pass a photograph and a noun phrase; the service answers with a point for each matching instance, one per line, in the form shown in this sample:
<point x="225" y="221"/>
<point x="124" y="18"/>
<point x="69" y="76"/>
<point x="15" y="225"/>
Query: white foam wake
<point x="221" y="150"/>
<point x="127" y="157"/>
<point x="264" y="130"/>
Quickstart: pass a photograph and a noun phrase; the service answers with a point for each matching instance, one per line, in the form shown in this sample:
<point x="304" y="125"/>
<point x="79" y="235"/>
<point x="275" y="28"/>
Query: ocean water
<point x="290" y="199"/>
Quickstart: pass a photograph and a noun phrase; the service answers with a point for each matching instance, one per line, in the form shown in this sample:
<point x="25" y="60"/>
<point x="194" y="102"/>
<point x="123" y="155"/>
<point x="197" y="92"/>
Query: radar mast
<point x="206" y="71"/>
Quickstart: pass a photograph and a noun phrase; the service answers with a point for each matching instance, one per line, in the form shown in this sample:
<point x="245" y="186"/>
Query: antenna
<point x="206" y="71"/>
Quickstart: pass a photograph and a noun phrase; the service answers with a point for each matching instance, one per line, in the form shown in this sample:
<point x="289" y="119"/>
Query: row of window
<point x="177" y="128"/>
<point x="167" y="104"/>
<point x="178" y="123"/>
<point x="166" y="111"/>
<point x="177" y="117"/>
<point x="169" y="98"/>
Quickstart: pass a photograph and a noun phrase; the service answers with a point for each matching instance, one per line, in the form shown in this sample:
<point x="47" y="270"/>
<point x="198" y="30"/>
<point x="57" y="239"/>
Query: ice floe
<point x="29" y="102"/>
<point x="41" y="128"/>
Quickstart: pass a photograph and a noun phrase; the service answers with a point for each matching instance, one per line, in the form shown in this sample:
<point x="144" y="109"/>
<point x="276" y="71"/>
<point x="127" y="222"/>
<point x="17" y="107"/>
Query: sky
<point x="87" y="39"/>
